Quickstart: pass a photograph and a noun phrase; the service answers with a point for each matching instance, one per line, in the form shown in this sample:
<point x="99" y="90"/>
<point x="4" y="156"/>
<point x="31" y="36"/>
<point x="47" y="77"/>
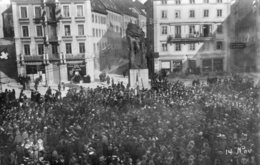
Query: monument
<point x="138" y="71"/>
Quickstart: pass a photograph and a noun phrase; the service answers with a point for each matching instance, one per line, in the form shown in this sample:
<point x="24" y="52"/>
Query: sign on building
<point x="237" y="45"/>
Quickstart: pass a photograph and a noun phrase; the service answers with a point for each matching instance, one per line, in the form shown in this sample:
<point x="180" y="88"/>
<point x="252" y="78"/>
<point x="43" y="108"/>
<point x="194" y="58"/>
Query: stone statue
<point x="137" y="49"/>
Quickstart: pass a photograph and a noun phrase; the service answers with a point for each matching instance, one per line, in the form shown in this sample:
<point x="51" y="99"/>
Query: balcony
<point x="81" y="37"/>
<point x="196" y="37"/>
<point x="80" y="19"/>
<point x="66" y="19"/>
<point x="24" y="20"/>
<point x="67" y="38"/>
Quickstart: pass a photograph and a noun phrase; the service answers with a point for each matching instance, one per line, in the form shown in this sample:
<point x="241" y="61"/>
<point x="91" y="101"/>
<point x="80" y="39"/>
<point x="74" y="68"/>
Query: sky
<point x="8" y="1"/>
<point x="143" y="1"/>
<point x="4" y="1"/>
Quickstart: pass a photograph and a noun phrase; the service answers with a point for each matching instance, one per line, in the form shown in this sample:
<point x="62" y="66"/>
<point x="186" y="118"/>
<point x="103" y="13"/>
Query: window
<point x="66" y="11"/>
<point x="81" y="47"/>
<point x="207" y="65"/>
<point x="24" y="12"/>
<point x="219" y="13"/>
<point x="219" y="45"/>
<point x="25" y="31"/>
<point x="39" y="31"/>
<point x="27" y="49"/>
<point x="164" y="47"/>
<point x="79" y="11"/>
<point x="164" y="1"/>
<point x="178" y="31"/>
<point x="54" y="48"/>
<point x="164" y="29"/>
<point x="177" y="14"/>
<point x="68" y="48"/>
<point x="67" y="30"/>
<point x="38" y="12"/>
<point x="178" y="47"/>
<point x="97" y="33"/>
<point x="192" y="1"/>
<point x="178" y="2"/>
<point x="164" y="14"/>
<point x="81" y="30"/>
<point x="206" y="1"/>
<point x="192" y="13"/>
<point x="40" y="49"/>
<point x="192" y="46"/>
<point x="206" y="13"/>
<point x="219" y="1"/>
<point x="220" y="29"/>
<point x="93" y="18"/>
<point x="192" y="29"/>
<point x="93" y="32"/>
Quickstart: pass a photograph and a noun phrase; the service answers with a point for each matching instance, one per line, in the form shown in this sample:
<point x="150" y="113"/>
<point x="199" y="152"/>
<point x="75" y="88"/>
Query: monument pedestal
<point x="140" y="78"/>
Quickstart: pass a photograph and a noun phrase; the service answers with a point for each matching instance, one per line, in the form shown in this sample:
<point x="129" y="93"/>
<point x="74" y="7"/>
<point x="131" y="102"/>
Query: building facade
<point x="53" y="39"/>
<point x="191" y="35"/>
<point x="244" y="36"/>
<point x="99" y="30"/>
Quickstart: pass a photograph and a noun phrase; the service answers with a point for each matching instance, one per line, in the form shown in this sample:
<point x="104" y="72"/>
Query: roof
<point x="139" y="4"/>
<point x="110" y="5"/>
<point x="8" y="10"/>
<point x="140" y="7"/>
<point x="98" y="7"/>
<point x="125" y="7"/>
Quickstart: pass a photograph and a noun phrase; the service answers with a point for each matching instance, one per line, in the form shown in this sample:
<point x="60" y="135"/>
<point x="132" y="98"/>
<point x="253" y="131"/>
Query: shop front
<point x="214" y="65"/>
<point x="35" y="71"/>
<point x="177" y="66"/>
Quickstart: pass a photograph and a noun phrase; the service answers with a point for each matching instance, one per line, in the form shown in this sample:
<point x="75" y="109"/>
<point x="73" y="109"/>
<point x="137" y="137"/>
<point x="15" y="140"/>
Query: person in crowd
<point x="168" y="124"/>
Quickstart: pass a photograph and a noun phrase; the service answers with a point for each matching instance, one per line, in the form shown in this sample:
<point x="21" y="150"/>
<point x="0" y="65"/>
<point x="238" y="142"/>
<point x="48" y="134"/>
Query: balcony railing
<point x="199" y="37"/>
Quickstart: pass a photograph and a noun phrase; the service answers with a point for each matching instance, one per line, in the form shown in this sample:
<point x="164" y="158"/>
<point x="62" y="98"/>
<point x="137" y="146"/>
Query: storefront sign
<point x="237" y="45"/>
<point x="166" y="65"/>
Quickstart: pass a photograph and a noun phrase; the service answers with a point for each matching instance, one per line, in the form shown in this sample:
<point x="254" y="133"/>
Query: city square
<point x="122" y="82"/>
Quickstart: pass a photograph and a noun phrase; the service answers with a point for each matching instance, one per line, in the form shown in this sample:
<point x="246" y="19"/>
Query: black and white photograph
<point x="129" y="82"/>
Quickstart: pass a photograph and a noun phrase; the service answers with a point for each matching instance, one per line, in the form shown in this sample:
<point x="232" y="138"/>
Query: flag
<point x="4" y="54"/>
<point x="58" y="11"/>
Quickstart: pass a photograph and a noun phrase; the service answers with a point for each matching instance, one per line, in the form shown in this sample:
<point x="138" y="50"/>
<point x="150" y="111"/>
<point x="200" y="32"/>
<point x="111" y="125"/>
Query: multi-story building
<point x="53" y="38"/>
<point x="128" y="16"/>
<point x="4" y="5"/>
<point x="244" y="36"/>
<point x="99" y="30"/>
<point x="191" y="35"/>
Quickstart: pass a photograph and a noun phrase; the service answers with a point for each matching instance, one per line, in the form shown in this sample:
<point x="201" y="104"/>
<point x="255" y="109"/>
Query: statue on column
<point x="138" y="71"/>
<point x="137" y="49"/>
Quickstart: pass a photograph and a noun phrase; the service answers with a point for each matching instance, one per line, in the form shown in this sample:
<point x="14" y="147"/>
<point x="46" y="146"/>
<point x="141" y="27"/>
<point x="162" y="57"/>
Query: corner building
<point x="53" y="38"/>
<point x="191" y="35"/>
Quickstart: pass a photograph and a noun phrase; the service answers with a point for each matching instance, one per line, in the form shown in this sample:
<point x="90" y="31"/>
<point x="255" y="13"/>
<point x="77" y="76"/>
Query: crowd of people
<point x="170" y="124"/>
